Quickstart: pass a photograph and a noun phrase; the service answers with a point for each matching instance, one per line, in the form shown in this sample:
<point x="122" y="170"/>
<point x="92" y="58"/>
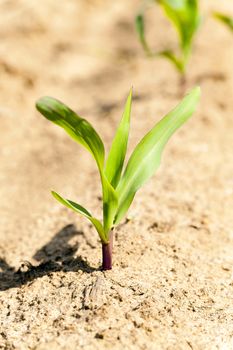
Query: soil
<point x="171" y="286"/>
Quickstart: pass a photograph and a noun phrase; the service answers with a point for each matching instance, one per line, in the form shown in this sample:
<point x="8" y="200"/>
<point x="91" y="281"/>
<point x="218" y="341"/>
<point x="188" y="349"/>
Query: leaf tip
<point x="39" y="103"/>
<point x="54" y="194"/>
<point x="196" y="91"/>
<point x="43" y="103"/>
<point x="131" y="92"/>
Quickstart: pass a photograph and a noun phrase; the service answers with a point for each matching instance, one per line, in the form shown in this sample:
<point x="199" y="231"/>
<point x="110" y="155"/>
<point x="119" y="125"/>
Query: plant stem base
<point x="107" y="253"/>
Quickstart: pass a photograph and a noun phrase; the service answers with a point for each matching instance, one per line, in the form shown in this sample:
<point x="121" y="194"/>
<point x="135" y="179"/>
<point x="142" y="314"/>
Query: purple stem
<point x="107" y="253"/>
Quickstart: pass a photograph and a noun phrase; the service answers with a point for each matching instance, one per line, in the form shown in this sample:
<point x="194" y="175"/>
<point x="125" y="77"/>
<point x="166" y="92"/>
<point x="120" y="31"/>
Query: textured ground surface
<point x="172" y="283"/>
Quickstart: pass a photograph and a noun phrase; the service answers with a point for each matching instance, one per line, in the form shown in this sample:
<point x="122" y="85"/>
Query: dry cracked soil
<point x="171" y="287"/>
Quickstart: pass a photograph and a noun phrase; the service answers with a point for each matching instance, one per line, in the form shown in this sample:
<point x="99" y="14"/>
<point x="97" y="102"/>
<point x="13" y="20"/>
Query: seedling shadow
<point x="56" y="255"/>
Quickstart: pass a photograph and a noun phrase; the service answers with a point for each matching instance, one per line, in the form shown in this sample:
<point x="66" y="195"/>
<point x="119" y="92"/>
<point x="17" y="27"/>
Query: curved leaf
<point x="145" y="158"/>
<point x="81" y="210"/>
<point x="184" y="15"/>
<point x="227" y="20"/>
<point x="140" y="28"/>
<point x="179" y="64"/>
<point x="78" y="128"/>
<point x="84" y="133"/>
<point x="118" y="149"/>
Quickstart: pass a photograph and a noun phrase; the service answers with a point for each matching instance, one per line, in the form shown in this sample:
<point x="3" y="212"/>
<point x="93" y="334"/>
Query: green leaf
<point x="118" y="149"/>
<point x="184" y="15"/>
<point x="84" y="133"/>
<point x="140" y="29"/>
<point x="81" y="210"/>
<point x="227" y="20"/>
<point x="174" y="59"/>
<point x="145" y="158"/>
<point x="78" y="128"/>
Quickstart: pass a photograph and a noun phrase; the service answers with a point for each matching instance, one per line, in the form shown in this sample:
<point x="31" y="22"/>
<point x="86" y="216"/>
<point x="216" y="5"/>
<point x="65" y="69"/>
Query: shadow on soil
<point x="57" y="255"/>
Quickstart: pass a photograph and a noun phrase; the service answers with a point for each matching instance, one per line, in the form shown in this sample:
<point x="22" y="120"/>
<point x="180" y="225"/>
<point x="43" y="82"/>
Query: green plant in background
<point x="227" y="20"/>
<point x="185" y="18"/>
<point x="119" y="185"/>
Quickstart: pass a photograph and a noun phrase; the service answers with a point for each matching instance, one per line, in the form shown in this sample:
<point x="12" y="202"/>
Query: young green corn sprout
<point x="119" y="185"/>
<point x="185" y="18"/>
<point x="227" y="20"/>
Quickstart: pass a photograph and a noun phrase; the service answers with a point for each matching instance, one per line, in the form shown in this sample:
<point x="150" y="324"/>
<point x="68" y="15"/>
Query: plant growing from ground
<point x="119" y="185"/>
<point x="227" y="20"/>
<point x="185" y="18"/>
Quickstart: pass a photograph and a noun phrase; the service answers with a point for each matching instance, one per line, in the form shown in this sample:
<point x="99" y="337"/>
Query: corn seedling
<point x="119" y="185"/>
<point x="227" y="20"/>
<point x="185" y="18"/>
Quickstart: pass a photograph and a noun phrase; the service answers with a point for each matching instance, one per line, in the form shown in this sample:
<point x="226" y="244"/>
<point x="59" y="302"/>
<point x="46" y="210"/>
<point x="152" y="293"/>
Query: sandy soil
<point x="172" y="283"/>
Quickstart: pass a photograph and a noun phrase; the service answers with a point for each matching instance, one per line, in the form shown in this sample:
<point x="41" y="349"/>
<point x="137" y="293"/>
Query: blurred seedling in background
<point x="185" y="18"/>
<point x="223" y="18"/>
<point x="119" y="185"/>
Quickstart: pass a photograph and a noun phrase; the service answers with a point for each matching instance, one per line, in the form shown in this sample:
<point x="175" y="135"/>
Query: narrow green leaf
<point x="118" y="149"/>
<point x="227" y="20"/>
<point x="139" y="24"/>
<point x="78" y="128"/>
<point x="81" y="210"/>
<point x="174" y="59"/>
<point x="184" y="15"/>
<point x="140" y="29"/>
<point x="145" y="158"/>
